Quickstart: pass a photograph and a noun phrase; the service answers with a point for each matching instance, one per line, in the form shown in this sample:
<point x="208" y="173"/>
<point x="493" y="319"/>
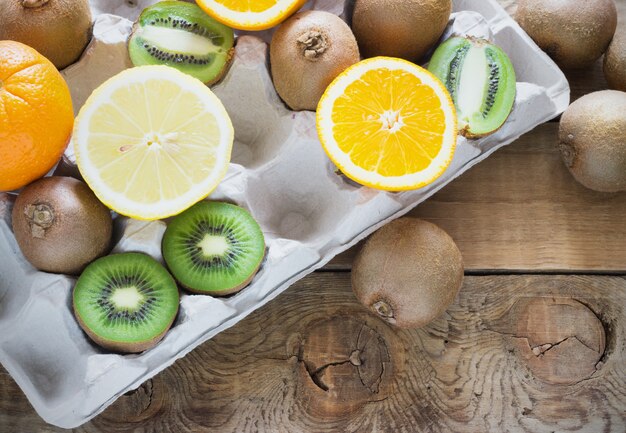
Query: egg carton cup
<point x="279" y="172"/>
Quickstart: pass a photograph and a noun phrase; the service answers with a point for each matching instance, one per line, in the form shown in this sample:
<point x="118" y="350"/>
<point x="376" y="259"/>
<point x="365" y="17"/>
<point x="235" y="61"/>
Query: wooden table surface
<point x="535" y="342"/>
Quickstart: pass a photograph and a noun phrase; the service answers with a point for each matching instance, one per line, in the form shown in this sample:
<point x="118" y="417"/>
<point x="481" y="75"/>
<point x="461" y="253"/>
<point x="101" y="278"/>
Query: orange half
<point x="388" y="124"/>
<point x="250" y="14"/>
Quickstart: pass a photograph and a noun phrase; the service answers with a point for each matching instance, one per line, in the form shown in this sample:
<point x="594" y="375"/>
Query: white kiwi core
<point x="175" y="40"/>
<point x="212" y="245"/>
<point x="475" y="70"/>
<point x="127" y="298"/>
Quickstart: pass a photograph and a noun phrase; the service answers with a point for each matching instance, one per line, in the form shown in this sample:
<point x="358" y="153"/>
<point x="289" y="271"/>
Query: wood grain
<point x="520" y="210"/>
<point x="315" y="361"/>
<point x="541" y="353"/>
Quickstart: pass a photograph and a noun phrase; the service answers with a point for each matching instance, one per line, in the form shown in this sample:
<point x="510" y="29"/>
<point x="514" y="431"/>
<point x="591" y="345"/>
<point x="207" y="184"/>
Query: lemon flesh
<point x="152" y="141"/>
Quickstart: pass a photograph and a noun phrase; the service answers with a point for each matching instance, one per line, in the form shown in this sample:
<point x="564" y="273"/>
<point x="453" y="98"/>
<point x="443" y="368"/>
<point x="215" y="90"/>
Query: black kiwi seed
<point x="452" y="83"/>
<point x="467" y="65"/>
<point x="206" y="45"/>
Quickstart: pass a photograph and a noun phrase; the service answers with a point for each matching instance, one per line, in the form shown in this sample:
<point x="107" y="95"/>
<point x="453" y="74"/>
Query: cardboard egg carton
<point x="309" y="213"/>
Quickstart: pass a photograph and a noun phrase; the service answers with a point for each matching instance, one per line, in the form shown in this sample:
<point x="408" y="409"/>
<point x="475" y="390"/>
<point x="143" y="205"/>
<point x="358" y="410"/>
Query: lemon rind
<point x="163" y="208"/>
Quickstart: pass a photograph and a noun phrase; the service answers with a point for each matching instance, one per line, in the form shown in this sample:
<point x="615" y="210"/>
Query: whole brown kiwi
<point x="60" y="225"/>
<point x="307" y="52"/>
<point x="592" y="140"/>
<point x="394" y="28"/>
<point x="574" y="33"/>
<point x="408" y="272"/>
<point x="59" y="29"/>
<point x="615" y="61"/>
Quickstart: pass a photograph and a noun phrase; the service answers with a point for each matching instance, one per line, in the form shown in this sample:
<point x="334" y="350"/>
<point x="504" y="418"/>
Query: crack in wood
<point x="365" y="350"/>
<point x="381" y="346"/>
<point x="316" y="375"/>
<point x="236" y="383"/>
<point x="150" y="393"/>
<point x="541" y="349"/>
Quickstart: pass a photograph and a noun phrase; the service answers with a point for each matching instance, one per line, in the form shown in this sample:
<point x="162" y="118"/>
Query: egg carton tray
<point x="279" y="172"/>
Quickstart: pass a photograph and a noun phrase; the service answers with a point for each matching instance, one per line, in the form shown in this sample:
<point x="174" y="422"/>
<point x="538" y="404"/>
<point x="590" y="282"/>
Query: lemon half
<point x="152" y="141"/>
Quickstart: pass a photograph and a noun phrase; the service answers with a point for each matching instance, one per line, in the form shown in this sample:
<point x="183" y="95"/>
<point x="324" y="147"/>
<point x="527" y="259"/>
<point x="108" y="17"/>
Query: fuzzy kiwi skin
<point x="60" y="225"/>
<point x="406" y="29"/>
<point x="307" y="52"/>
<point x="59" y="29"/>
<point x="615" y="62"/>
<point x="228" y="292"/>
<point x="574" y="33"/>
<point x="408" y="272"/>
<point x="592" y="140"/>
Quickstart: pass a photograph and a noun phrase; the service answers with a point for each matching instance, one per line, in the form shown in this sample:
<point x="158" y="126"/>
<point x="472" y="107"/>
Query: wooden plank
<point x="521" y="210"/>
<point x="513" y="353"/>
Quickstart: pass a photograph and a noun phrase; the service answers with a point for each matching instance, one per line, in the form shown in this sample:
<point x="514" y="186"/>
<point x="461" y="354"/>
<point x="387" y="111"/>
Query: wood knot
<point x="355" y="358"/>
<point x="560" y="339"/>
<point x="345" y="363"/>
<point x="33" y="4"/>
<point x="140" y="404"/>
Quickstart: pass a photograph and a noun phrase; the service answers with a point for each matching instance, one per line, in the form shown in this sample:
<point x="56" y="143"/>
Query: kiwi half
<point x="213" y="248"/>
<point x="126" y="302"/>
<point x="181" y="35"/>
<point x="481" y="80"/>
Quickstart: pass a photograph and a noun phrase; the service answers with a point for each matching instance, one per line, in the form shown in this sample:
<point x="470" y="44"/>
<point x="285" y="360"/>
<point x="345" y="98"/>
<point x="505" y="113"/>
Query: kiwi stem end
<point x="315" y="44"/>
<point x="33" y="4"/>
<point x="40" y="217"/>
<point x="568" y="153"/>
<point x="384" y="310"/>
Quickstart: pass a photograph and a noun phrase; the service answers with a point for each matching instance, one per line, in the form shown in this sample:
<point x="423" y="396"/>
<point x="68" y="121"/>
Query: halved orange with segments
<point x="388" y="124"/>
<point x="250" y="14"/>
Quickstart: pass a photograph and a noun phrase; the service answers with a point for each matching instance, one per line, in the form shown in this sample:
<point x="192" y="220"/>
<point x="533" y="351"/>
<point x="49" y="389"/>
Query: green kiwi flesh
<point x="213" y="248"/>
<point x="181" y="35"/>
<point x="481" y="80"/>
<point x="126" y="302"/>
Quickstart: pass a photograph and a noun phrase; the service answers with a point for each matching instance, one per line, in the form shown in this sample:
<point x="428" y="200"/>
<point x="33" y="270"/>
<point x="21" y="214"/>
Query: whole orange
<point x="36" y="115"/>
